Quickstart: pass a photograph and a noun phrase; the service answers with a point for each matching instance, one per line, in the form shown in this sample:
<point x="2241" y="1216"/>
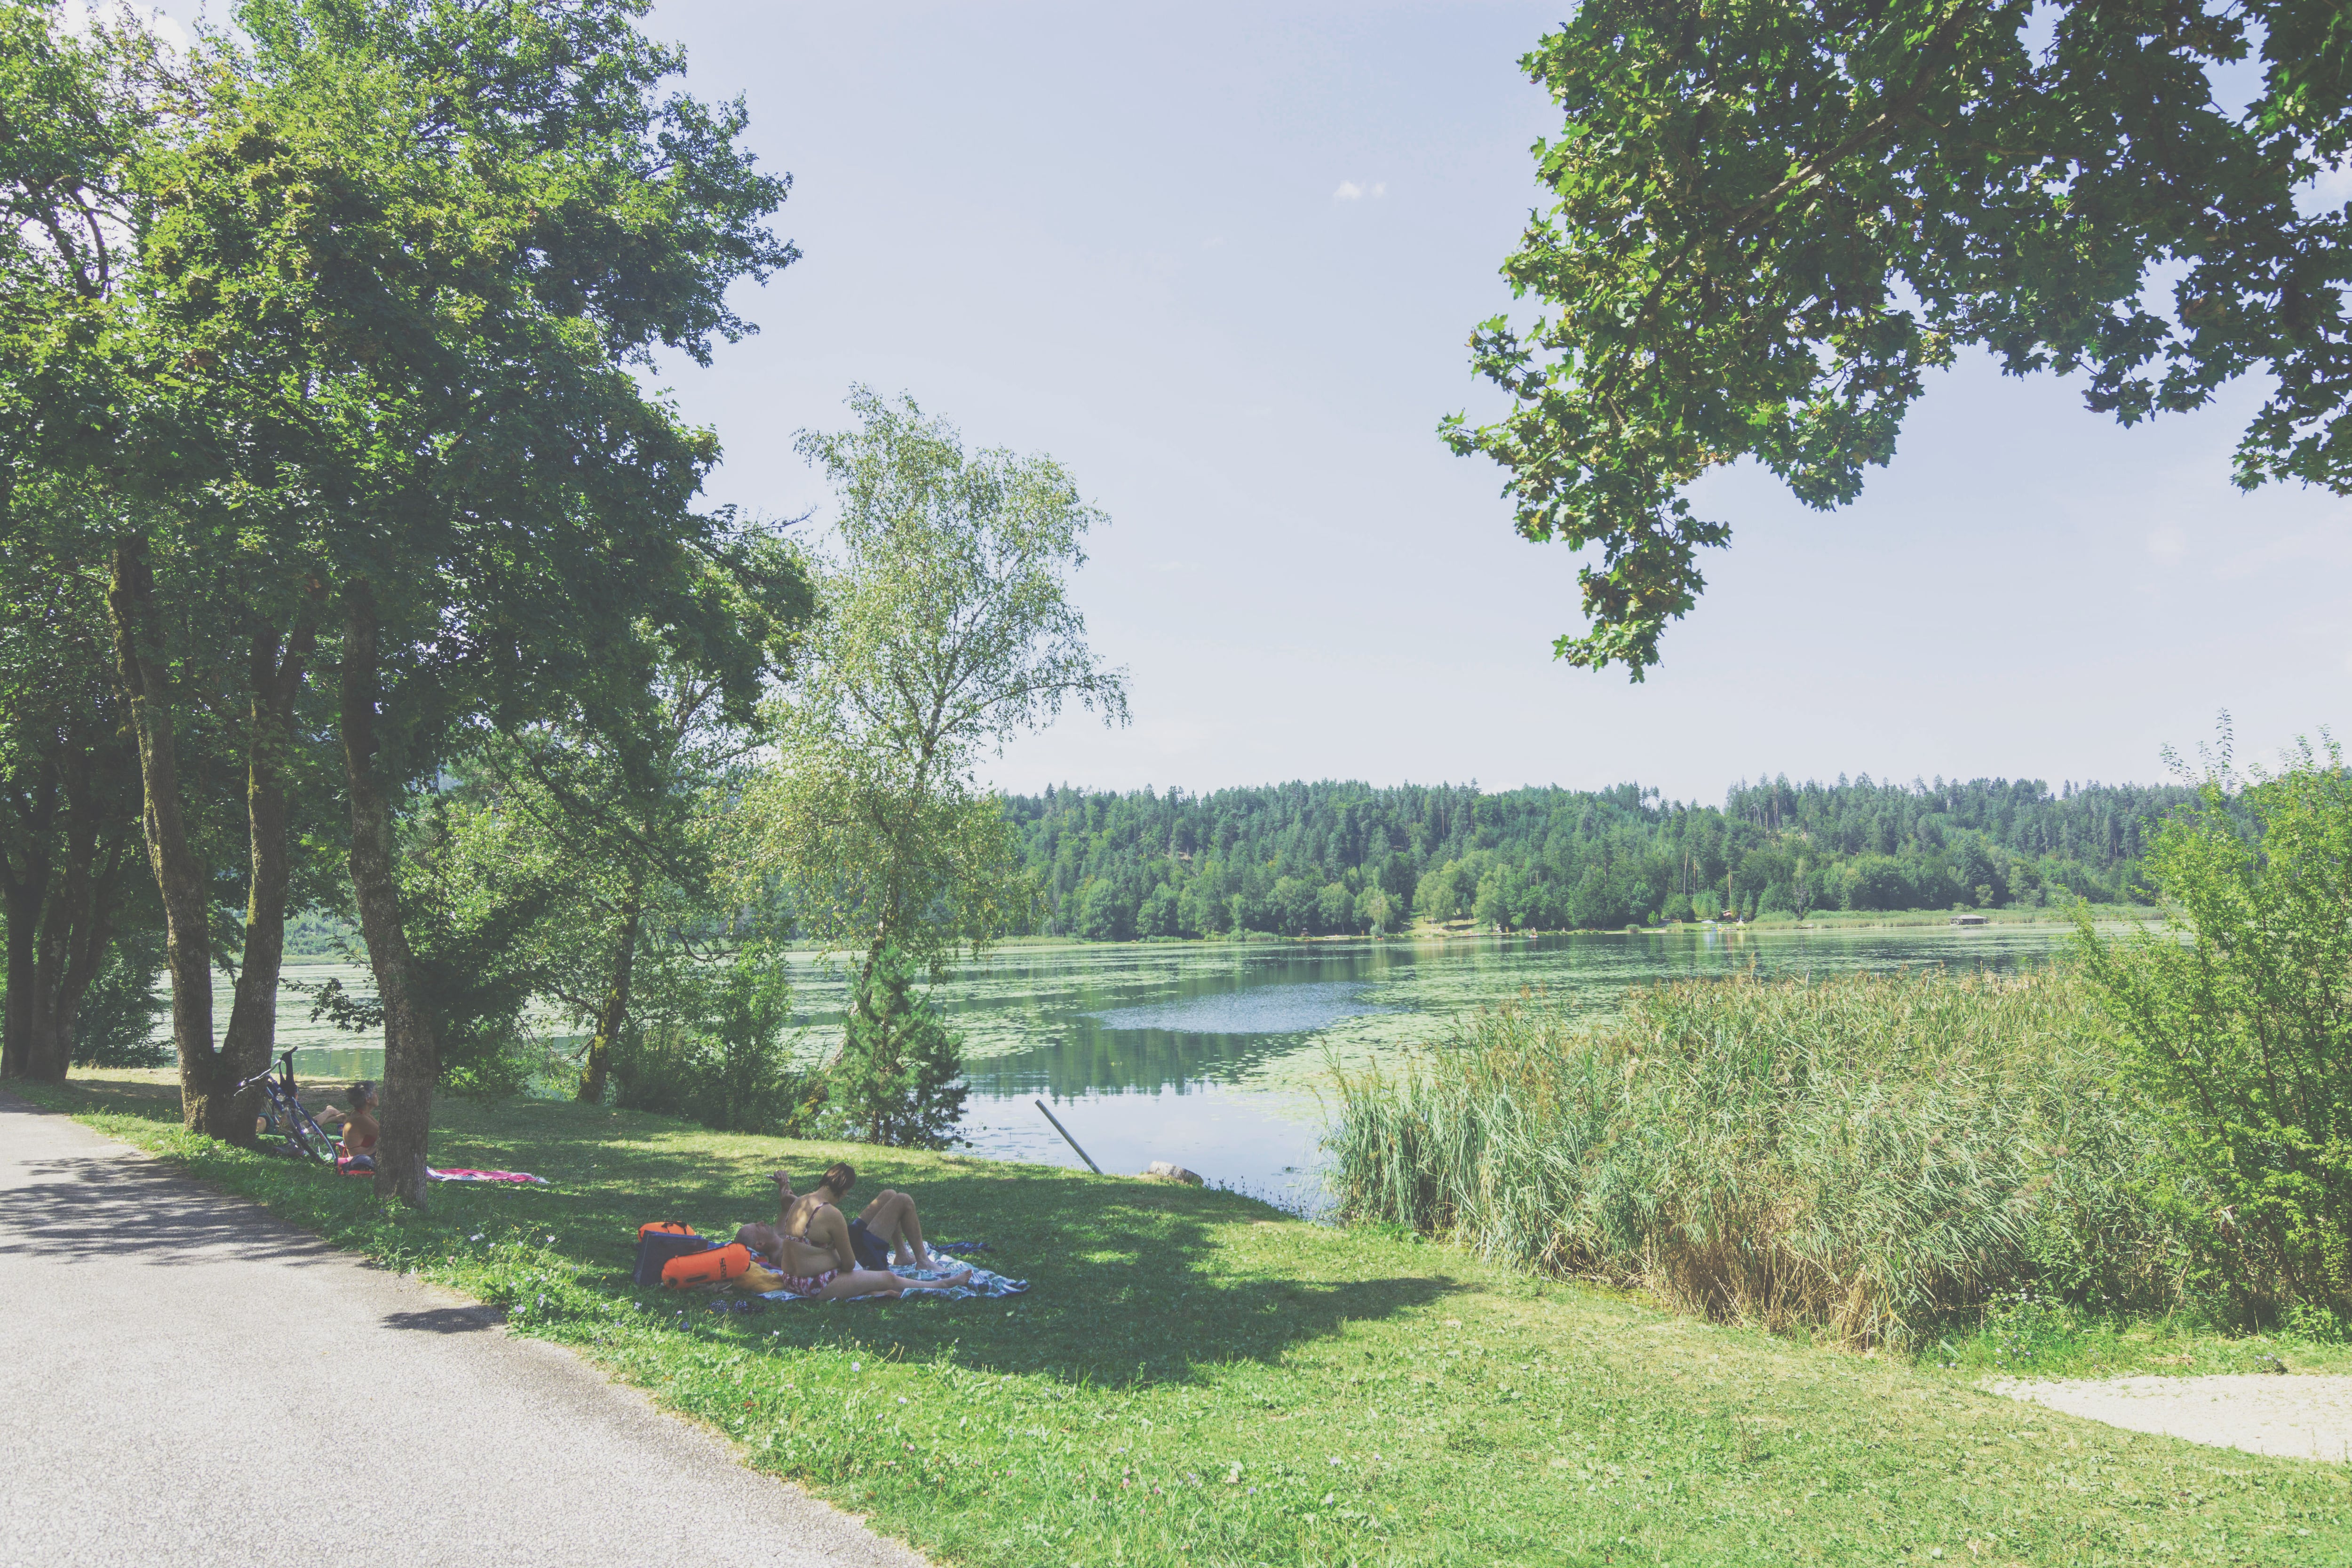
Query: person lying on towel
<point x="821" y="1261"/>
<point x="359" y="1131"/>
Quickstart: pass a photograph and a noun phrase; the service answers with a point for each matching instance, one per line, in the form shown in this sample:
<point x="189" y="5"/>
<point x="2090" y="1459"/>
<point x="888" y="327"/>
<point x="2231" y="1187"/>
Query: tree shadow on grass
<point x="1129" y="1281"/>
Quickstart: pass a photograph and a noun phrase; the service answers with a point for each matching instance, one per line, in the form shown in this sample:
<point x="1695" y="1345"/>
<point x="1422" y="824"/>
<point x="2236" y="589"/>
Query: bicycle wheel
<point x="305" y="1136"/>
<point x="271" y="1132"/>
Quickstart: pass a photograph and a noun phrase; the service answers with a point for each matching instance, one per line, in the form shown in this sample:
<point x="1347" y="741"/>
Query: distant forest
<point x="1312" y="859"/>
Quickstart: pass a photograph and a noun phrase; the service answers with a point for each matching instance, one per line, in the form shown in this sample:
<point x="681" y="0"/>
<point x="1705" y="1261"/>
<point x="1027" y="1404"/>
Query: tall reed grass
<point x="1860" y="1157"/>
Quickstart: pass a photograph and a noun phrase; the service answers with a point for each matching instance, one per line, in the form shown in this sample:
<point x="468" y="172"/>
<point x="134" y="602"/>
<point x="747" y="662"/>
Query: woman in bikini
<point x="821" y="1262"/>
<point x="886" y="1233"/>
<point x="359" y="1130"/>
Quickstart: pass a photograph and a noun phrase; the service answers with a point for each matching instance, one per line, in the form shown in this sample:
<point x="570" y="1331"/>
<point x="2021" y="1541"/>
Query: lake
<point x="1214" y="1054"/>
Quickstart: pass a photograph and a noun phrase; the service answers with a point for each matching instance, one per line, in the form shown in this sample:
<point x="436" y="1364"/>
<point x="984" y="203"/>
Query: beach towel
<point x="508" y="1178"/>
<point x="981" y="1283"/>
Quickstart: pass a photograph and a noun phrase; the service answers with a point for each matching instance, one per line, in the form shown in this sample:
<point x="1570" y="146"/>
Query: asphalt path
<point x="173" y="1361"/>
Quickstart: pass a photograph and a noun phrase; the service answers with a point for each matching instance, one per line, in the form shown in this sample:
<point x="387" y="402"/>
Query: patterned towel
<point x="981" y="1283"/>
<point x="511" y="1178"/>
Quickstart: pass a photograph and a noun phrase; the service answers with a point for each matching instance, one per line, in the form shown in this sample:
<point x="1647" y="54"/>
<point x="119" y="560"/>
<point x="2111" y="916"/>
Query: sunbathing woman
<point x="812" y="1267"/>
<point x="886" y="1232"/>
<point x="359" y="1131"/>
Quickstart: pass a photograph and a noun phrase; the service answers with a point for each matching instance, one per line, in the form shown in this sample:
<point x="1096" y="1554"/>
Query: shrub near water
<point x="1862" y="1156"/>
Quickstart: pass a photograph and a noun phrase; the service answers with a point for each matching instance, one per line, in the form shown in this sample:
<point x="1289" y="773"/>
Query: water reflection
<point x="1267" y="1009"/>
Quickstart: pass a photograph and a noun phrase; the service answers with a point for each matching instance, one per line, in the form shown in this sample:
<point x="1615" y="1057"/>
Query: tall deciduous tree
<point x="624" y="787"/>
<point x="1772" y="219"/>
<point x="410" y="259"/>
<point x="945" y="629"/>
<point x="73" y="115"/>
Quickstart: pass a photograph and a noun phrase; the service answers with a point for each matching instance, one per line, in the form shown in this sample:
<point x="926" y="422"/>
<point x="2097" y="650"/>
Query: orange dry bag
<point x="665" y="1227"/>
<point x="715" y="1266"/>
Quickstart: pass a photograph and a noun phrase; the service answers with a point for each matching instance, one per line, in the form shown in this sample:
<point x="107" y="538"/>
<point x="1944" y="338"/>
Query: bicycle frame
<point x="283" y="1114"/>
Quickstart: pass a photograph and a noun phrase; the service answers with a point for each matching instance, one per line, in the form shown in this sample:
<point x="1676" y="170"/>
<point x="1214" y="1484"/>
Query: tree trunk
<point x="615" y="1012"/>
<point x="24" y="890"/>
<point x="75" y="926"/>
<point x="410" y="1048"/>
<point x="138" y="627"/>
<point x="252" y="1036"/>
<point x="23" y="907"/>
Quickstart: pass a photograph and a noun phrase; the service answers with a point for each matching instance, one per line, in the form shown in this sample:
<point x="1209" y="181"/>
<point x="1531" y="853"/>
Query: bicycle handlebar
<point x="284" y="1059"/>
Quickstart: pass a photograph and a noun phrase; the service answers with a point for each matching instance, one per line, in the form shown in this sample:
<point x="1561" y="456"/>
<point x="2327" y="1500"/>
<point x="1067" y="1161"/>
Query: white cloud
<point x="2169" y="545"/>
<point x="1349" y="191"/>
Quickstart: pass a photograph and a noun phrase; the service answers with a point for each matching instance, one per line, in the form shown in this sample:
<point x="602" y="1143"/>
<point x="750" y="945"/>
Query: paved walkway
<point x="168" y="1353"/>
<point x="2300" y="1416"/>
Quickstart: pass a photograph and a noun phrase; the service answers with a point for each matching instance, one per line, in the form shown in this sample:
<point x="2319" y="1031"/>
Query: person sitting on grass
<point x="359" y="1131"/>
<point x="824" y="1266"/>
<point x="887" y="1233"/>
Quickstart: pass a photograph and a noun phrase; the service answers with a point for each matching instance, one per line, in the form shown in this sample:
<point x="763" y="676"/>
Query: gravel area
<point x="2299" y="1416"/>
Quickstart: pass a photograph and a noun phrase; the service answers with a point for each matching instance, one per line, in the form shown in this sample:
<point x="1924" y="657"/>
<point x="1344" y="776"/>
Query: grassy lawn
<point x="1196" y="1379"/>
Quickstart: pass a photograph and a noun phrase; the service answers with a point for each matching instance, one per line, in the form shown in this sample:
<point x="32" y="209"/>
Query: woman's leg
<point x="877" y="1282"/>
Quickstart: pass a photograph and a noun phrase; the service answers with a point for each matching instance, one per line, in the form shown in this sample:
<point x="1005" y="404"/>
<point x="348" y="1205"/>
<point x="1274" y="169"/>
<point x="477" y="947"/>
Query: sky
<point x="1221" y="262"/>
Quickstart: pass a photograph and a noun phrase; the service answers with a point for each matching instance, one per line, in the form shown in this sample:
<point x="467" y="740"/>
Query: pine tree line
<point x="1334" y="857"/>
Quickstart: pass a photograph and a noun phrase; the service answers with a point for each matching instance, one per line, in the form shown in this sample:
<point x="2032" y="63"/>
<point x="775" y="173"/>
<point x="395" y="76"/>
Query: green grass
<point x="1196" y="1380"/>
<point x="2026" y="1335"/>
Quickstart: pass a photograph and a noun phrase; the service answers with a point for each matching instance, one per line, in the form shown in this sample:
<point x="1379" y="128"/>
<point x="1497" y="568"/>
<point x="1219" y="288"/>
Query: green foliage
<point x="1865" y="1157"/>
<point x="474" y="889"/>
<point x="712" y="1045"/>
<point x="116" y="1025"/>
<point x="897" y="1078"/>
<point x="2237" y="1017"/>
<point x="946" y="631"/>
<point x="1113" y="867"/>
<point x="1770" y="221"/>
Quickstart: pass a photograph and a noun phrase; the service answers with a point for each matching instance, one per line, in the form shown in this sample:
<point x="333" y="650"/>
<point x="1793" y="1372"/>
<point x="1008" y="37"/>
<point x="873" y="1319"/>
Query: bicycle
<point x="282" y="1116"/>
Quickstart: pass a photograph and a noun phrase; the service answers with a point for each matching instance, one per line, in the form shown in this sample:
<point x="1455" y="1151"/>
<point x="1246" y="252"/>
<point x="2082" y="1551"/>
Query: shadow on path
<point x="70" y="1206"/>
<point x="448" y="1319"/>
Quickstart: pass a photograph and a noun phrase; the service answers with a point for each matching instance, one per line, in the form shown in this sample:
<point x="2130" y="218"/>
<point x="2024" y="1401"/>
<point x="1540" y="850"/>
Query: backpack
<point x="657" y="1244"/>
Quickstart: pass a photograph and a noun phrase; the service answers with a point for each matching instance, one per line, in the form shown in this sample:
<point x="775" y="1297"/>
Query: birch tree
<point x="945" y="629"/>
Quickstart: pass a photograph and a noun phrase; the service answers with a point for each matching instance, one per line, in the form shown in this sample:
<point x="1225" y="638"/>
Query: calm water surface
<point x="1216" y="1056"/>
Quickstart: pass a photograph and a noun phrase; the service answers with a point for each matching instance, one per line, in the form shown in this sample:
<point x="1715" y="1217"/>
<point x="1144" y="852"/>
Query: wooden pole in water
<point x="1065" y="1131"/>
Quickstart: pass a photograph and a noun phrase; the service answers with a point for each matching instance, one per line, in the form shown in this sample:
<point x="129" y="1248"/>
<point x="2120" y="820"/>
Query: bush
<point x="897" y="1078"/>
<point x="115" y="1025"/>
<point x="1864" y="1156"/>
<point x="2237" y="1022"/>
<point x="713" y="1049"/>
